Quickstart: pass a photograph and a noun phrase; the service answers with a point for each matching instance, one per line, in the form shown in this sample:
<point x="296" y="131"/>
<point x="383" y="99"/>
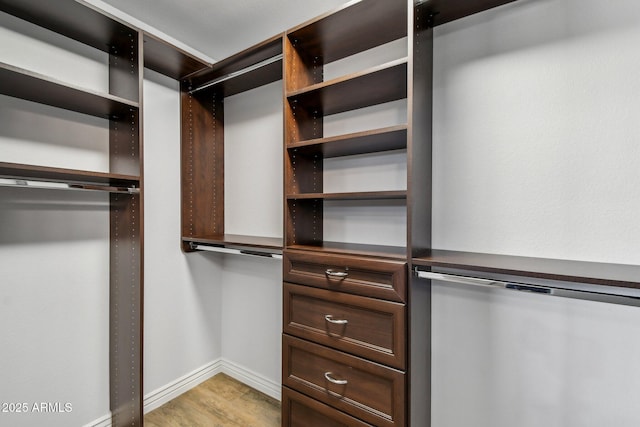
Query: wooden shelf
<point x="38" y="88"/>
<point x="364" y="195"/>
<point x="72" y="19"/>
<point x="370" y="141"/>
<point x="621" y="275"/>
<point x="444" y="11"/>
<point x="343" y="248"/>
<point x="71" y="176"/>
<point x="167" y="59"/>
<point x="232" y="70"/>
<point x="377" y="85"/>
<point x="348" y="30"/>
<point x="272" y="243"/>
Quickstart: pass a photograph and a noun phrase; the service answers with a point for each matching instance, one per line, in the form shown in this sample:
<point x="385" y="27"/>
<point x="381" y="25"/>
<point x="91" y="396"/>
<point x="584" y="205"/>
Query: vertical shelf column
<point x="202" y="163"/>
<point x="126" y="231"/>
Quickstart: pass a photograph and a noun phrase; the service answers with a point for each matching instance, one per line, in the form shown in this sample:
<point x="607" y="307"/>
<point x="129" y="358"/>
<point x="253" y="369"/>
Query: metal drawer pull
<point x="337" y="274"/>
<point x="327" y="375"/>
<point x="329" y="318"/>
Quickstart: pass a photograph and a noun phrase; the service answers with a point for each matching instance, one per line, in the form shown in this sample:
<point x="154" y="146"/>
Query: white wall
<point x="535" y="153"/>
<point x="183" y="293"/>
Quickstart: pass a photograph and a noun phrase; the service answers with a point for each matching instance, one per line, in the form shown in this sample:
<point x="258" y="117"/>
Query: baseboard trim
<point x="252" y="379"/>
<point x="100" y="422"/>
<point x="164" y="394"/>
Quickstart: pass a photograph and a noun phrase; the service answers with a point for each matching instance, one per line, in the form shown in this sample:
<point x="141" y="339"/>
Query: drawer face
<point x="383" y="279"/>
<point x="299" y="410"/>
<point x="364" y="389"/>
<point x="367" y="327"/>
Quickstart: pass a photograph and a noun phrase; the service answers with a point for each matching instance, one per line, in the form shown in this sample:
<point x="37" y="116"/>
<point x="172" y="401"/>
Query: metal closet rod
<point x="233" y="251"/>
<point x="237" y="73"/>
<point x="599" y="296"/>
<point x="56" y="185"/>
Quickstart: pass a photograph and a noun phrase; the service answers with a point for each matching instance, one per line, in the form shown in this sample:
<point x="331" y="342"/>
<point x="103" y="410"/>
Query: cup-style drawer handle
<point x="337" y="274"/>
<point x="327" y="375"/>
<point x="329" y="318"/>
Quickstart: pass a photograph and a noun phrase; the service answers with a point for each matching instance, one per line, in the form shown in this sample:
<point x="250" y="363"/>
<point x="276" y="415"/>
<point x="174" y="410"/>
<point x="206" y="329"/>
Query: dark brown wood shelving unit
<point x="202" y="142"/>
<point x="121" y="107"/>
<point x="363" y="195"/>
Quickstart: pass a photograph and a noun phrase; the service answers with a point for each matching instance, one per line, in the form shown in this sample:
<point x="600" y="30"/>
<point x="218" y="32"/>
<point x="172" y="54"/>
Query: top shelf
<point x="167" y="59"/>
<point x="444" y="11"/>
<point x="72" y="19"/>
<point x="253" y="67"/>
<point x="355" y="27"/>
<point x="627" y="276"/>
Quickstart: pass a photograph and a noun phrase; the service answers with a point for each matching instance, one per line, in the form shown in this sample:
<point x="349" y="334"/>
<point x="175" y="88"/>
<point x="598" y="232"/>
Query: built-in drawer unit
<point x="372" y="277"/>
<point x="369" y="391"/>
<point x="367" y="327"/>
<point x="299" y="410"/>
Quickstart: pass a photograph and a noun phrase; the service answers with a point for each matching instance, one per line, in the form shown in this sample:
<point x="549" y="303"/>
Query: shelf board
<point x="72" y="19"/>
<point x="594" y="273"/>
<point x="394" y="252"/>
<point x="71" y="176"/>
<point x="232" y="70"/>
<point x="24" y="84"/>
<point x="449" y="10"/>
<point x="169" y="60"/>
<point x="355" y="27"/>
<point x="235" y="240"/>
<point x="363" y="195"/>
<point x="371" y="141"/>
<point x="377" y="85"/>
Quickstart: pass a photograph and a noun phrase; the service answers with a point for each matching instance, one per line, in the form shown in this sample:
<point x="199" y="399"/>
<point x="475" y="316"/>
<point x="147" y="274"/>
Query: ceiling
<point x="220" y="28"/>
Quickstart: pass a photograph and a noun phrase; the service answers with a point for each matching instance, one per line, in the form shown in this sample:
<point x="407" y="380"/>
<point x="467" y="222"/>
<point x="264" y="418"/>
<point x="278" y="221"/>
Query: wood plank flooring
<point x="218" y="402"/>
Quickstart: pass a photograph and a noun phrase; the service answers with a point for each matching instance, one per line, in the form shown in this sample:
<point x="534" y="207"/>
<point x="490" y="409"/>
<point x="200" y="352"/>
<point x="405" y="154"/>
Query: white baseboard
<point x="100" y="422"/>
<point x="164" y="394"/>
<point x="252" y="379"/>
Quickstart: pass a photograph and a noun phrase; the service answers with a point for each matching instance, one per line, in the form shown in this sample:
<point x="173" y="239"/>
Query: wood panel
<point x="367" y="327"/>
<point x="369" y="391"/>
<point x="384" y="279"/>
<point x="299" y="410"/>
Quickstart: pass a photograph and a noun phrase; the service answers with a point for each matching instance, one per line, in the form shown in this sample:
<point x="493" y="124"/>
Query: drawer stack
<point x="344" y="340"/>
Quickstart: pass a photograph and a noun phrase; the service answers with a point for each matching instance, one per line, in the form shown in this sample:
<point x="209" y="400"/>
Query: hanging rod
<point x="599" y="296"/>
<point x="238" y="73"/>
<point x="54" y="185"/>
<point x="233" y="251"/>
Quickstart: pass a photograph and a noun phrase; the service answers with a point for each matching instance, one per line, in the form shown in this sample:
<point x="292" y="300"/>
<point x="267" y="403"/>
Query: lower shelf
<point x="235" y="244"/>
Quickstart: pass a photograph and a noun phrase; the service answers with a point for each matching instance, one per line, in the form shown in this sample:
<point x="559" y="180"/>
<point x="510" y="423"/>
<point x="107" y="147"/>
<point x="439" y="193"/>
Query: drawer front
<point x="367" y="327"/>
<point x="299" y="410"/>
<point x="369" y="391"/>
<point x="383" y="279"/>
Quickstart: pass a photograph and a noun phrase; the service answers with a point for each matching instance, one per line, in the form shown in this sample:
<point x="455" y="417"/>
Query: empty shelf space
<point x="372" y="141"/>
<point x="24" y="84"/>
<point x="377" y="85"/>
<point x="344" y="248"/>
<point x="353" y="28"/>
<point x="72" y="19"/>
<point x="593" y="273"/>
<point x="364" y="195"/>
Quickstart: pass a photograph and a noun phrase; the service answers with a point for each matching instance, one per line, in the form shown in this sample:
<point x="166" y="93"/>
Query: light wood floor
<point x="218" y="402"/>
